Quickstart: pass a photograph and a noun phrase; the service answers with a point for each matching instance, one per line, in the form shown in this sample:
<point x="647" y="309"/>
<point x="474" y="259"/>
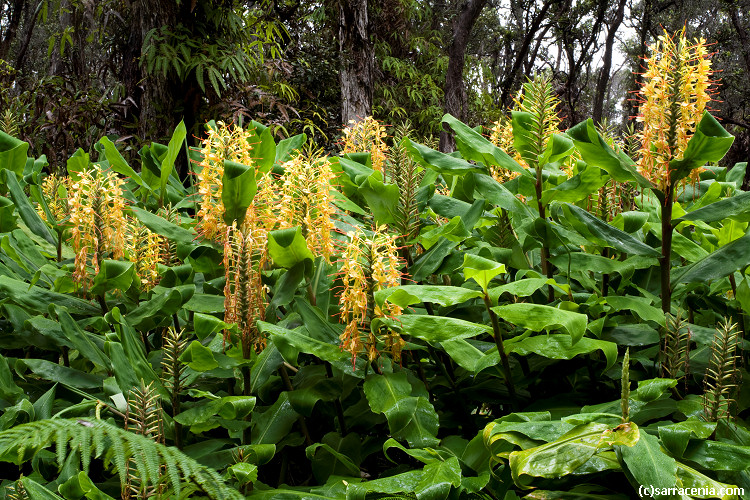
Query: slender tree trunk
<point x="357" y="60"/>
<point x="602" y="83"/>
<point x="455" y="93"/>
<point x="31" y="22"/>
<point x="10" y="31"/>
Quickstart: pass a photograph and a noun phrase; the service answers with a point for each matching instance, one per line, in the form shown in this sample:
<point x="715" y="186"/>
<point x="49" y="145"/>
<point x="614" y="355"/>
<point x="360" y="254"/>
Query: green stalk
<point x="498" y="335"/>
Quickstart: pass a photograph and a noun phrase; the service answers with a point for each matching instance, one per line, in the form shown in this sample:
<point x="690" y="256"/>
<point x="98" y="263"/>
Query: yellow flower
<point x="676" y="89"/>
<point x="55" y="191"/>
<point x="98" y="222"/>
<point x="369" y="265"/>
<point x="366" y="135"/>
<point x="144" y="249"/>
<point x="307" y="201"/>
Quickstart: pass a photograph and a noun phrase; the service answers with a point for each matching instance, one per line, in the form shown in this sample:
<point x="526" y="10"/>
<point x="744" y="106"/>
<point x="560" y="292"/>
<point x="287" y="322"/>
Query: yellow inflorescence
<point x="145" y="249"/>
<point x="244" y="291"/>
<point x="676" y="89"/>
<point x="307" y="201"/>
<point x="98" y="223"/>
<point x="369" y="265"/>
<point x="366" y="135"/>
<point x="224" y="142"/>
<point x="55" y="191"/>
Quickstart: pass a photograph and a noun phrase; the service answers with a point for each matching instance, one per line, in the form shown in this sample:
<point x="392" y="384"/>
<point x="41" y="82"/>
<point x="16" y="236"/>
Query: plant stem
<point x="337" y="403"/>
<point x="546" y="266"/>
<point x="666" y="249"/>
<point x="498" y="334"/>
<point x="303" y="425"/>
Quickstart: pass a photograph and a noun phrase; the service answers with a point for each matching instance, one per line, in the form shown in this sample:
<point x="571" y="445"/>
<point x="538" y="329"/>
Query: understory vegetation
<point x="542" y="314"/>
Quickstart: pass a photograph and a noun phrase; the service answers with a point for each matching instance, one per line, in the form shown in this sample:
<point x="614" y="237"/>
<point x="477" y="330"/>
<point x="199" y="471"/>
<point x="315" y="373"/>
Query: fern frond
<point x="722" y="375"/>
<point x="85" y="437"/>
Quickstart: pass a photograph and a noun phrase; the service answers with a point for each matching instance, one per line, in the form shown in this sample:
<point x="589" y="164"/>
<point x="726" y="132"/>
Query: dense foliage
<point x="388" y="322"/>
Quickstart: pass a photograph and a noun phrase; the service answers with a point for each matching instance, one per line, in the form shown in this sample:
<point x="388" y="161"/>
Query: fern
<point x="722" y="374"/>
<point x="116" y="447"/>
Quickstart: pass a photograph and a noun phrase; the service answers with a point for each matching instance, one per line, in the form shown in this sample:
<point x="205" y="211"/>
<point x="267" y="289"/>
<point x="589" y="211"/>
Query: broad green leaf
<point x="440" y="162"/>
<point x="716" y="455"/>
<point x="117" y="162"/>
<point x="36" y="491"/>
<point x="675" y="437"/>
<point x="80" y="339"/>
<point x="538" y="318"/>
<point x="499" y="195"/>
<point x="163" y="227"/>
<point x="9" y="391"/>
<point x="595" y="151"/>
<point x="604" y="234"/>
<point x="274" y="423"/>
<point x="12" y="154"/>
<point x="38" y="299"/>
<point x="228" y="407"/>
<point x="723" y="262"/>
<point x="561" y="347"/>
<point x="173" y="150"/>
<point x="577" y="187"/>
<point x="48" y="370"/>
<point x="702" y="486"/>
<point x="469" y="357"/>
<point x="474" y="146"/>
<point x="114" y="275"/>
<point x="81" y="486"/>
<point x="238" y="191"/>
<point x="641" y="306"/>
<point x="709" y="143"/>
<point x="7" y="216"/>
<point x="481" y="270"/>
<point x="339" y="457"/>
<point x="409" y="417"/>
<point x="287" y="147"/>
<point x="287" y="248"/>
<point x="244" y="472"/>
<point x="157" y="311"/>
<point x="648" y="464"/>
<point x="264" y="149"/>
<point x="198" y="357"/>
<point x="382" y="199"/>
<point x="407" y="295"/>
<point x="438" y="477"/>
<point x="29" y="216"/>
<point x="652" y="389"/>
<point x="735" y="208"/>
<point x="435" y="329"/>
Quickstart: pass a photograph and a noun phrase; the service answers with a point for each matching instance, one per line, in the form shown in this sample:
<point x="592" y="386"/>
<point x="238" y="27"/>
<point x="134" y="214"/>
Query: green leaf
<point x="274" y="423"/>
<point x="538" y="317"/>
<point x="286" y="147"/>
<point x="287" y="248"/>
<point x="698" y="482"/>
<point x="734" y="208"/>
<point x="38" y="299"/>
<point x="62" y="374"/>
<point x="499" y="195"/>
<point x="648" y="464"/>
<point x="244" y="472"/>
<point x="675" y="437"/>
<point x="435" y="329"/>
<point x="723" y="262"/>
<point x="198" y="357"/>
<point x="173" y="150"/>
<point x="412" y="418"/>
<point x="80" y="486"/>
<point x="80" y="339"/>
<point x="562" y="347"/>
<point x="29" y="216"/>
<point x="228" y="407"/>
<point x="117" y="162"/>
<point x="407" y="295"/>
<point x="595" y="151"/>
<point x="12" y="154"/>
<point x="716" y="455"/>
<point x="440" y="162"/>
<point x="709" y="143"/>
<point x="604" y="234"/>
<point x="481" y="270"/>
<point x="650" y="390"/>
<point x="382" y="199"/>
<point x="238" y="191"/>
<point x="9" y="391"/>
<point x="114" y="275"/>
<point x="7" y="216"/>
<point x="163" y="227"/>
<point x="578" y="187"/>
<point x="264" y="151"/>
<point x="474" y="146"/>
<point x="36" y="491"/>
<point x="438" y="477"/>
<point x="469" y="357"/>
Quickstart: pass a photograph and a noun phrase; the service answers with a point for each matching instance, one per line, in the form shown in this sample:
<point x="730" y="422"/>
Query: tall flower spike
<point x="307" y="201"/>
<point x="224" y="142"/>
<point x="676" y="89"/>
<point x="55" y="191"/>
<point x="244" y="291"/>
<point x="98" y="223"/>
<point x="366" y="135"/>
<point x="369" y="265"/>
<point x="144" y="249"/>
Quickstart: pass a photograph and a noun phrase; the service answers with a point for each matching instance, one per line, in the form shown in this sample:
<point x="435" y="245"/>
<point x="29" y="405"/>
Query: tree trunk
<point x="357" y="60"/>
<point x="10" y="31"/>
<point x="455" y="93"/>
<point x="602" y="83"/>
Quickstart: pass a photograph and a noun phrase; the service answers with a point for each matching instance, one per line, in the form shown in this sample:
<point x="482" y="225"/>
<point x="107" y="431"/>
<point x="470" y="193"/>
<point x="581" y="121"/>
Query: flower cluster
<point x="146" y="250"/>
<point x="366" y="135"/>
<point x="369" y="264"/>
<point x="55" y="191"/>
<point x="675" y="91"/>
<point x="98" y="223"/>
<point x="307" y="201"/>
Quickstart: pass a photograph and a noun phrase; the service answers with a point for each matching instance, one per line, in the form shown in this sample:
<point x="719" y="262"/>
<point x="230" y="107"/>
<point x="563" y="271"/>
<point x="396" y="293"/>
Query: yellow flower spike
<point x="55" y="190"/>
<point x="366" y="135"/>
<point x="369" y="265"/>
<point x="98" y="222"/>
<point x="245" y="297"/>
<point x="676" y="89"/>
<point x="307" y="201"/>
<point x="144" y="249"/>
